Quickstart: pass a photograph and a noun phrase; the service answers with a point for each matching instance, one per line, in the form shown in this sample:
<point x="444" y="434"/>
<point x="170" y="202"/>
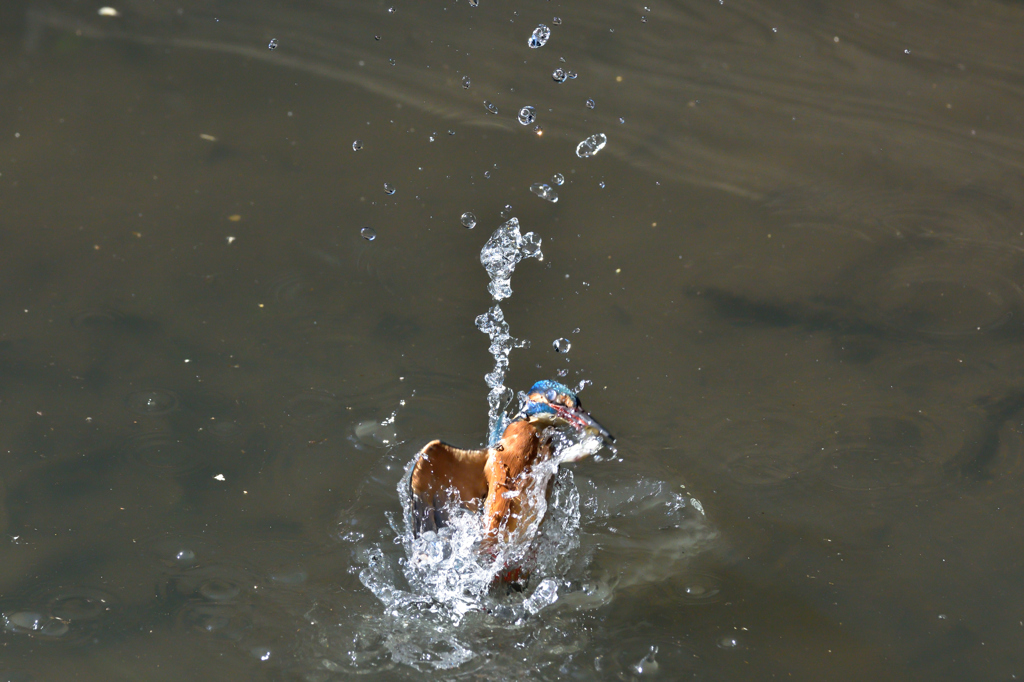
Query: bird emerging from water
<point x="508" y="482"/>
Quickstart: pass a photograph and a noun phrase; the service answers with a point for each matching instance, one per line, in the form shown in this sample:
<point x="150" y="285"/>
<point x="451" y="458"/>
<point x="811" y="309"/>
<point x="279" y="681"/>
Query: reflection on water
<point x="787" y="260"/>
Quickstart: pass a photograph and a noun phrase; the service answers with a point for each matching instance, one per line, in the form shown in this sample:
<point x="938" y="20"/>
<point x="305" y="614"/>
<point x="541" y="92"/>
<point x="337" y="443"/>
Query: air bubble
<point x="389" y="188"/>
<point x="557" y="21"/>
<point x="490" y="107"/>
<point x="506" y="211"/>
<point x="559" y="75"/>
<point x="474" y="3"/>
<point x="487" y="174"/>
<point x="540" y="36"/>
<point x="368" y="233"/>
<point x="544" y="192"/>
<point x="466" y="82"/>
<point x="558" y="179"/>
<point x="357" y="145"/>
<point x="591" y="104"/>
<point x="527" y="115"/>
<point x="392" y="61"/>
<point x="272" y="45"/>
<point x="561" y="345"/>
<point x="468" y="220"/>
<point x="601" y="184"/>
<point x="591" y="145"/>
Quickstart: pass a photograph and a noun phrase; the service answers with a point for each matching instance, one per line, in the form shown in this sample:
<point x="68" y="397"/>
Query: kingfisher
<point x="508" y="482"/>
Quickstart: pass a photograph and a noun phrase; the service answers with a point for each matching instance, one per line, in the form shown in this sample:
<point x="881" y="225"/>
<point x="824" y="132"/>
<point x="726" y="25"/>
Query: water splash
<point x="494" y="325"/>
<point x="505" y="248"/>
<point x="503" y="251"/>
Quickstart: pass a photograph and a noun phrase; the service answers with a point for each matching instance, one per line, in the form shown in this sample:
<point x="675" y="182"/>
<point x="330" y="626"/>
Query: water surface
<point x="795" y="271"/>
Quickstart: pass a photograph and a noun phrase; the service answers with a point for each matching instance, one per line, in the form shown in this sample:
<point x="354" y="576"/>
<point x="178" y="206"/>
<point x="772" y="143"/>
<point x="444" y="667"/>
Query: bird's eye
<point x="551" y="395"/>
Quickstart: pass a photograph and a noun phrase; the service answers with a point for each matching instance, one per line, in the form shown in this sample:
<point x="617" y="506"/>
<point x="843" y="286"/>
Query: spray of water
<point x="500" y="255"/>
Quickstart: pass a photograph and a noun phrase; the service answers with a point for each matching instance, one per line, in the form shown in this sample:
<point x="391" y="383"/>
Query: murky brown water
<point x="796" y="272"/>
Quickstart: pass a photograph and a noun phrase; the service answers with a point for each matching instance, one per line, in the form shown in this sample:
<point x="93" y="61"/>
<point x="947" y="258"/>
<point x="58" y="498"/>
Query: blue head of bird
<point x="550" y="403"/>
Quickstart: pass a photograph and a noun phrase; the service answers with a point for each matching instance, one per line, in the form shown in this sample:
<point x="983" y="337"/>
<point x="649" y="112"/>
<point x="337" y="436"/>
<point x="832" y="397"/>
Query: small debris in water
<point x="392" y="61"/>
<point x="468" y="220"/>
<point x="561" y="345"/>
<point x="592" y="145"/>
<point x="368" y="233"/>
<point x="539" y="37"/>
<point x="527" y="115"/>
<point x="111" y="12"/>
<point x="544" y="191"/>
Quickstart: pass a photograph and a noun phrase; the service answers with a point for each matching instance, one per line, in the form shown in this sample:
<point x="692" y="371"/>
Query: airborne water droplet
<point x="474" y="3"/>
<point x="557" y="21"/>
<point x="539" y="37"/>
<point x="591" y="145"/>
<point x="368" y="233"/>
<point x="491" y="107"/>
<point x="389" y="188"/>
<point x="544" y="191"/>
<point x="506" y="212"/>
<point x="591" y="104"/>
<point x="468" y="220"/>
<point x="273" y="44"/>
<point x="466" y="82"/>
<point x="561" y="345"/>
<point x="558" y="178"/>
<point x="559" y="75"/>
<point x="357" y="145"/>
<point x="527" y="115"/>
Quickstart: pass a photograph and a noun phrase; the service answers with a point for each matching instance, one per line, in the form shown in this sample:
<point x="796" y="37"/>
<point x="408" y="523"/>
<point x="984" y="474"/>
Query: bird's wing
<point x="443" y="474"/>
